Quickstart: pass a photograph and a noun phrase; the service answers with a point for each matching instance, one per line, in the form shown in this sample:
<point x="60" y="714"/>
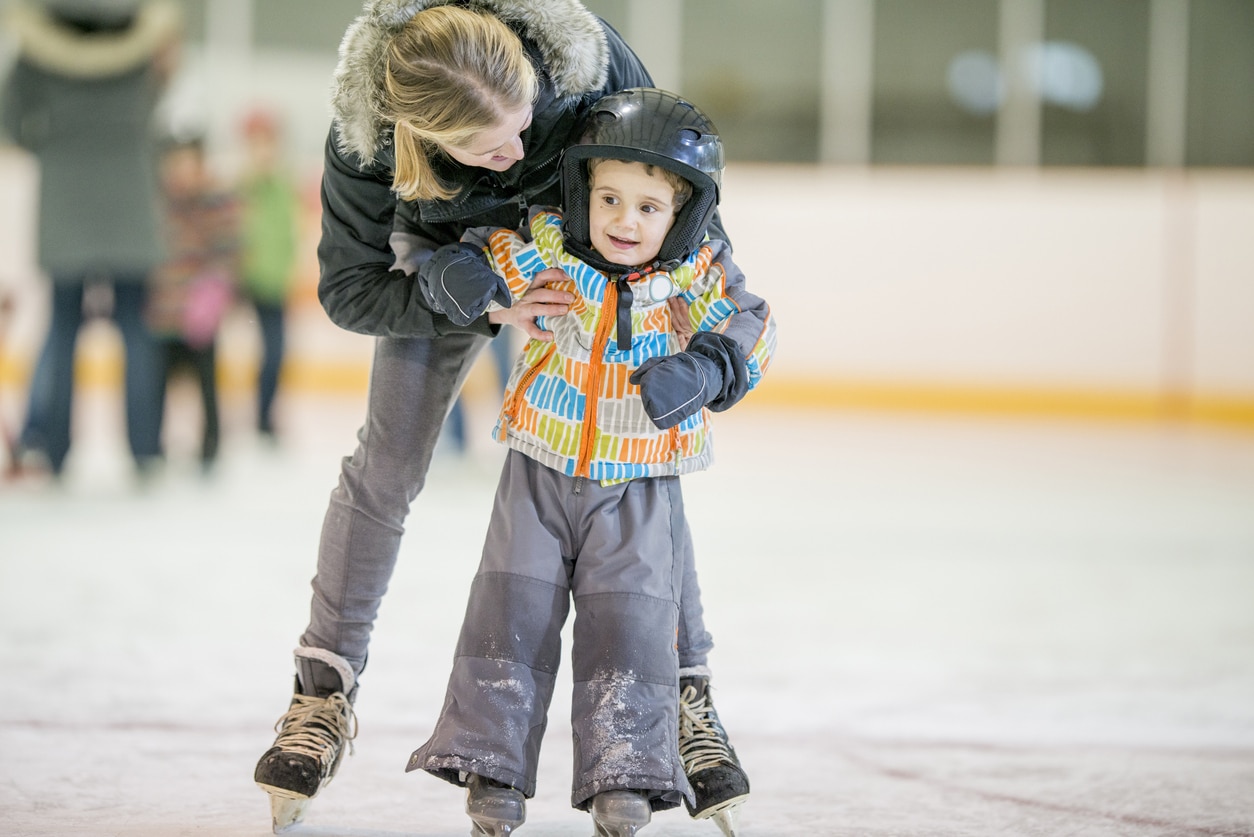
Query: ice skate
<point x="312" y="736"/>
<point x="495" y="809"/>
<point x="619" y="813"/>
<point x="718" y="782"/>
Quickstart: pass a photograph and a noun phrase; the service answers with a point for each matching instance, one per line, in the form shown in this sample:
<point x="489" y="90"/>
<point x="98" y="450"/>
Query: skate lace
<point x="702" y="742"/>
<point x="317" y="727"/>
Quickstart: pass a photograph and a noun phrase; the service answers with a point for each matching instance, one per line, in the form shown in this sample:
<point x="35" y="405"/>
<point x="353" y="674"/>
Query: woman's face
<point x="498" y="147"/>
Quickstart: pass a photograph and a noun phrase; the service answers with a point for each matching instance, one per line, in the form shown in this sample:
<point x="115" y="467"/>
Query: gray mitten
<point x="711" y="372"/>
<point x="458" y="283"/>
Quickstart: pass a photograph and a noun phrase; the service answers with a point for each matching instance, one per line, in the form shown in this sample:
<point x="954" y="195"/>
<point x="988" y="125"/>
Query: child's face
<point x="182" y="170"/>
<point x="630" y="211"/>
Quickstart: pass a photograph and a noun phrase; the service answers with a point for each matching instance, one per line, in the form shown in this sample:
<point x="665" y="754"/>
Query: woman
<point x="446" y="118"/>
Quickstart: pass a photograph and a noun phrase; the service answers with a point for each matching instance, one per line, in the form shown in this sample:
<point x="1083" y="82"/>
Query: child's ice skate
<point x="495" y="809"/>
<point x="619" y="813"/>
<point x="718" y="782"/>
<point x="312" y="736"/>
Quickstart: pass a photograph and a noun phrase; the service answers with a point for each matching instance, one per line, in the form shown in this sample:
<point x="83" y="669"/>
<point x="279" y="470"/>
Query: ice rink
<point x="926" y="626"/>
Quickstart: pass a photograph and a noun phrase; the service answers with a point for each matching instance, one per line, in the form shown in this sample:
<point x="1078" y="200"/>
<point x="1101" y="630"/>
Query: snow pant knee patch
<point x="516" y="619"/>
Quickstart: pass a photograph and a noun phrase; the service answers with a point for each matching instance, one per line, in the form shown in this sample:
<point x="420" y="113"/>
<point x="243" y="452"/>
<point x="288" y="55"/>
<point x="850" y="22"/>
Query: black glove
<point x="710" y="372"/>
<point x="458" y="283"/>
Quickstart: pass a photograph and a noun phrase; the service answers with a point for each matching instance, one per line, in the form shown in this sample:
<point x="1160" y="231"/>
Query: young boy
<point x="600" y="420"/>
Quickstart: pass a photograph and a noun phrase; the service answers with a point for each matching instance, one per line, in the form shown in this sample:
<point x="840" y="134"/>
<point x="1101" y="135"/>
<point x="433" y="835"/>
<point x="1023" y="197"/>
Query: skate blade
<point x="616" y="829"/>
<point x="725" y="818"/>
<point x="492" y="828"/>
<point x="478" y="829"/>
<point x="495" y="816"/>
<point x="285" y="812"/>
<point x="619" y="813"/>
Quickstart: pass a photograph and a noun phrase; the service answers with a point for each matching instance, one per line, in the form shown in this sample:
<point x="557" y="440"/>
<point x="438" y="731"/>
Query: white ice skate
<point x="494" y="809"/>
<point x="619" y="813"/>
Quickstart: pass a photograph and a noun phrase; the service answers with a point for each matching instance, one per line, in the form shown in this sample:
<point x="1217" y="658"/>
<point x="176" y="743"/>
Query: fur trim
<point x="570" y="38"/>
<point x="340" y="665"/>
<point x="696" y="671"/>
<point x="58" y="49"/>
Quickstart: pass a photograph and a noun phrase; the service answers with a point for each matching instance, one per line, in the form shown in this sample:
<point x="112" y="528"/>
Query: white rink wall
<point x="1065" y="291"/>
<point x="1059" y="285"/>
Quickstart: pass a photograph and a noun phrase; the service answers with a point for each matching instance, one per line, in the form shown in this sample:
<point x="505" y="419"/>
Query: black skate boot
<point x="619" y="813"/>
<point x="312" y="735"/>
<point x="495" y="809"/>
<point x="718" y="782"/>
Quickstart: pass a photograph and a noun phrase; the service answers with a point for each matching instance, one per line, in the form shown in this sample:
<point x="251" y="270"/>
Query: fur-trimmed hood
<point x="59" y="49"/>
<point x="569" y="37"/>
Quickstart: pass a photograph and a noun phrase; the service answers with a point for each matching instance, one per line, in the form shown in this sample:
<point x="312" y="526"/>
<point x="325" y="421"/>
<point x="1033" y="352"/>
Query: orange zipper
<point x="519" y="391"/>
<point x="596" y="365"/>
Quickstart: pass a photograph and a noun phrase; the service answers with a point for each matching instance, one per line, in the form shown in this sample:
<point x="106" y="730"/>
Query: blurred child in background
<point x="270" y="207"/>
<point x="194" y="288"/>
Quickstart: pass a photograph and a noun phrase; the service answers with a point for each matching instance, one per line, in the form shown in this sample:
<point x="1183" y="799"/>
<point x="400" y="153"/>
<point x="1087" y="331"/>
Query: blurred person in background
<point x="446" y="117"/>
<point x="195" y="285"/>
<point x="269" y="226"/>
<point x="81" y="98"/>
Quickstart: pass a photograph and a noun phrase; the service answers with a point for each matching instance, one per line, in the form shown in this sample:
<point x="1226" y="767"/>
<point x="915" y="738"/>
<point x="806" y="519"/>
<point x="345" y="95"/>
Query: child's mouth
<point x="621" y="243"/>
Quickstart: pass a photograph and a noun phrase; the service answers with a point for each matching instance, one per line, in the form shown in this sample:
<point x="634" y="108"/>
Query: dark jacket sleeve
<point x="357" y="283"/>
<point x="752" y="326"/>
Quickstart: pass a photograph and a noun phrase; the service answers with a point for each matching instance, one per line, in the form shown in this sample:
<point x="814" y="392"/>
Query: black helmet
<point x="646" y="125"/>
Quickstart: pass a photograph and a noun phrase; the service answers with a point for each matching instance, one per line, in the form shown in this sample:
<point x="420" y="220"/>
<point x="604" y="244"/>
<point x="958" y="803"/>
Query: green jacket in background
<point x="270" y="221"/>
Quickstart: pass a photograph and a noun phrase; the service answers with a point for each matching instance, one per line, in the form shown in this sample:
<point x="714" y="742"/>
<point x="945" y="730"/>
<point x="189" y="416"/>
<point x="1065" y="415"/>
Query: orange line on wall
<point x="352" y="378"/>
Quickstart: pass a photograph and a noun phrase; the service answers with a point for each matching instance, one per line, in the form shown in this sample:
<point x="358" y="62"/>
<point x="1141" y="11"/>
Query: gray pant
<point x="412" y="386"/>
<point x="619" y="551"/>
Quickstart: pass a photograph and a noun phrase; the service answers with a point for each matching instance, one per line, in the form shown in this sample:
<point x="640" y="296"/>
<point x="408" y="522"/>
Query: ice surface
<point x="925" y="627"/>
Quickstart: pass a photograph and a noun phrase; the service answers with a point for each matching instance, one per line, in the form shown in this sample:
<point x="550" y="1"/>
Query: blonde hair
<point x="681" y="185"/>
<point x="451" y="74"/>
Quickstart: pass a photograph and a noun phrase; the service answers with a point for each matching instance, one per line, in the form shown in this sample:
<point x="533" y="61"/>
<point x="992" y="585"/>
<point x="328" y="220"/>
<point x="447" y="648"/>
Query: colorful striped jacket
<point x="568" y="403"/>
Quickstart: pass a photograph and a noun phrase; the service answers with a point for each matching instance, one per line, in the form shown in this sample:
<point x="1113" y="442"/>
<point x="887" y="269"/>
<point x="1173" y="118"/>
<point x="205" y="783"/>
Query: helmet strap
<point x="624" y="310"/>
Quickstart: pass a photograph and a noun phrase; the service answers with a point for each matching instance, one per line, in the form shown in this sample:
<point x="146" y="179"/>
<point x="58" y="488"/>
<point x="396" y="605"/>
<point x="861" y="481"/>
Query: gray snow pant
<point x="413" y="383"/>
<point x="620" y="552"/>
